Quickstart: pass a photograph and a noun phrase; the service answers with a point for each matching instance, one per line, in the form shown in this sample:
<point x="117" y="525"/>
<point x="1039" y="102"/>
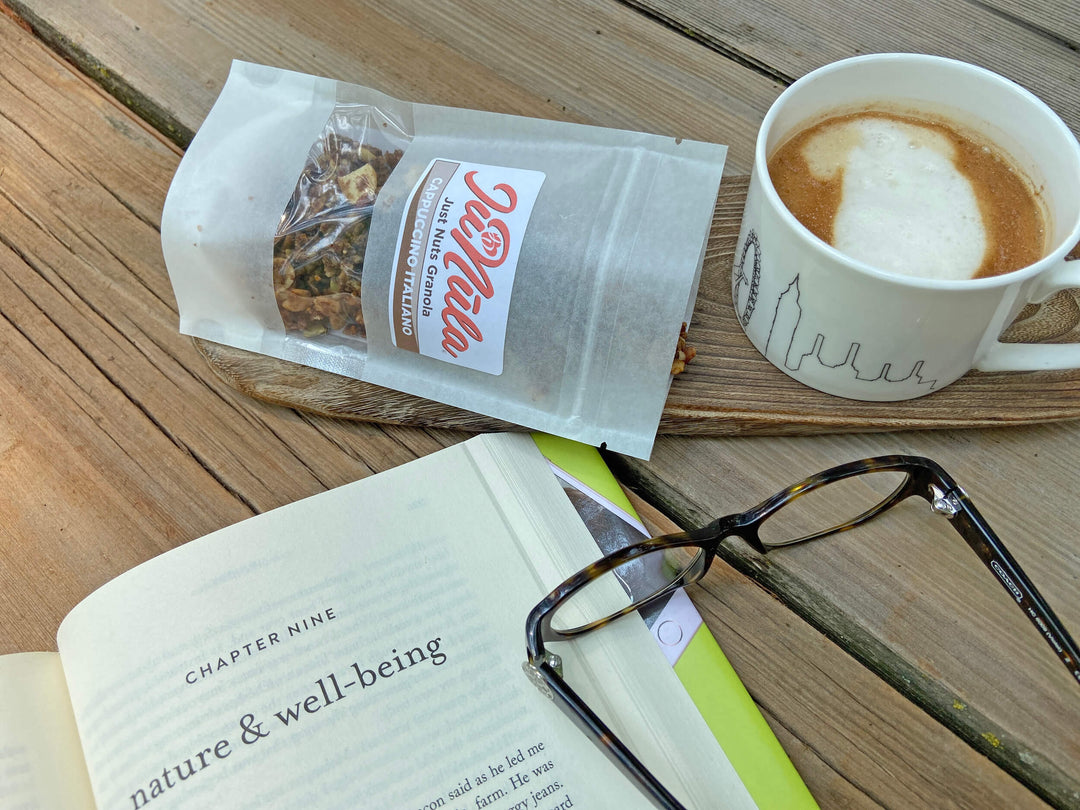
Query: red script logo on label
<point x="457" y="256"/>
<point x="474" y="280"/>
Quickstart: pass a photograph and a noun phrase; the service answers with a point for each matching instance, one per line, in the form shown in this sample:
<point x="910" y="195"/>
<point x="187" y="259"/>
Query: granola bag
<point x="535" y="271"/>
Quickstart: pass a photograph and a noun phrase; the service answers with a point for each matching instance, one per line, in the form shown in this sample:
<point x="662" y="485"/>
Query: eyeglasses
<point x="858" y="491"/>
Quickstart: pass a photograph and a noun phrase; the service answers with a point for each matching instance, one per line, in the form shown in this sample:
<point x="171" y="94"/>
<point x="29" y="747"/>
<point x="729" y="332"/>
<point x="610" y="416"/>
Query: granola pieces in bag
<point x="320" y="243"/>
<point x="684" y="353"/>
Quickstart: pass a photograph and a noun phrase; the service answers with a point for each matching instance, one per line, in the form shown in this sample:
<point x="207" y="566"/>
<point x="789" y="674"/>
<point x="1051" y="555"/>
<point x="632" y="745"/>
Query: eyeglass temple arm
<point x="978" y="534"/>
<point x="548" y="680"/>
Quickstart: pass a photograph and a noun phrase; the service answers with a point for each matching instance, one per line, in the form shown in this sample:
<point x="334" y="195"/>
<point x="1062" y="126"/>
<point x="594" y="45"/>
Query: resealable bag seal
<point x="535" y="271"/>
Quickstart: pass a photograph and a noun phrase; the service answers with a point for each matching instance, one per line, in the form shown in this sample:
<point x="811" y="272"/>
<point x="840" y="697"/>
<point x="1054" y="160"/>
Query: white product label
<point x="456" y="256"/>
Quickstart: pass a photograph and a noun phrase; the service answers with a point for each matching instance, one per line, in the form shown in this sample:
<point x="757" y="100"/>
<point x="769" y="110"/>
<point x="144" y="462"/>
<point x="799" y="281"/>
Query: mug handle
<point x="1038" y="356"/>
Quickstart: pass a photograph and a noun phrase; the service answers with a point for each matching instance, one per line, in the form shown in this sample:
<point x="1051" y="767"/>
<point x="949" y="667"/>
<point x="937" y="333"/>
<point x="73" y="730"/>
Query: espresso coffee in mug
<point x="902" y="210"/>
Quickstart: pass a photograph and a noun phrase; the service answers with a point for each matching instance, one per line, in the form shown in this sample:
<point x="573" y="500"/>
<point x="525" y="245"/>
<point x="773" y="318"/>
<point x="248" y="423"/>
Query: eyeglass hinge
<point x="537" y="677"/>
<point x="944" y="503"/>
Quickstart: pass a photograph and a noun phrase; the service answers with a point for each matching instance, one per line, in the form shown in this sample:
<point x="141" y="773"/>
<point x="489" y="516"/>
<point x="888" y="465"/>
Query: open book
<point x="362" y="648"/>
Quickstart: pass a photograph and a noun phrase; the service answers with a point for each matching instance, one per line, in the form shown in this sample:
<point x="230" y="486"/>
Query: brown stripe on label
<point x="412" y="248"/>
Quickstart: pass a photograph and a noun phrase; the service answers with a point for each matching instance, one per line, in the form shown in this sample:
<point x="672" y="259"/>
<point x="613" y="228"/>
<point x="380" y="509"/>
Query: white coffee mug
<point x="846" y="328"/>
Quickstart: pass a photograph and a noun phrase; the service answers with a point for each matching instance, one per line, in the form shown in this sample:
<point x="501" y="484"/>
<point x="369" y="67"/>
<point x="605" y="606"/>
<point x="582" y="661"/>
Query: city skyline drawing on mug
<point x="788" y="346"/>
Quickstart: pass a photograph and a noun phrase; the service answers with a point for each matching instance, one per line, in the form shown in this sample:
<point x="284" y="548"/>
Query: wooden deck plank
<point x="1056" y="19"/>
<point x="114" y="426"/>
<point x="789" y="38"/>
<point x="595" y="61"/>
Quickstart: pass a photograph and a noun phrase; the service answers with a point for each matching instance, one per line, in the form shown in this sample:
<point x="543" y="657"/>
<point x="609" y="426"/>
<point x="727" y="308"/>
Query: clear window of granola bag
<point x="320" y="242"/>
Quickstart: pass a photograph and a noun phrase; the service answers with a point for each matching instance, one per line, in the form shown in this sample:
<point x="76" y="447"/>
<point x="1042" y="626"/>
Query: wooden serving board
<point x="729" y="388"/>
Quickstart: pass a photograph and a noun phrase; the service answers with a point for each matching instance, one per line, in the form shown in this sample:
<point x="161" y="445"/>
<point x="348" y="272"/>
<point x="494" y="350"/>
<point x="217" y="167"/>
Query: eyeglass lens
<point x="811" y="512"/>
<point x="627" y="586"/>
<point x="829" y="507"/>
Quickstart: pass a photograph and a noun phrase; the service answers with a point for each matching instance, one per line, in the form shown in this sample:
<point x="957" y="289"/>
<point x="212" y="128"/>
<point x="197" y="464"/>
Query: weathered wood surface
<point x="729" y="388"/>
<point x="592" y="61"/>
<point x="117" y="441"/>
<point x="904" y="594"/>
<point x="1033" y="44"/>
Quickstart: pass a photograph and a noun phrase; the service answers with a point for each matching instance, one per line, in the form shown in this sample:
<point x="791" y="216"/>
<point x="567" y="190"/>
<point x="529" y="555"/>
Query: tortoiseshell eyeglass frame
<point x="923" y="478"/>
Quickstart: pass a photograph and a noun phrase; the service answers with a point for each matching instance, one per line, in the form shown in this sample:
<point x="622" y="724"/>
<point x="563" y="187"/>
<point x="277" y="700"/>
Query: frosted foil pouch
<point x="535" y="271"/>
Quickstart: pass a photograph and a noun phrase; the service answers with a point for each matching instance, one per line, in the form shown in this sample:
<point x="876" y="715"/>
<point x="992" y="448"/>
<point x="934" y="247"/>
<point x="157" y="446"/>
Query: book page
<point x="360" y="648"/>
<point x="41" y="761"/>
